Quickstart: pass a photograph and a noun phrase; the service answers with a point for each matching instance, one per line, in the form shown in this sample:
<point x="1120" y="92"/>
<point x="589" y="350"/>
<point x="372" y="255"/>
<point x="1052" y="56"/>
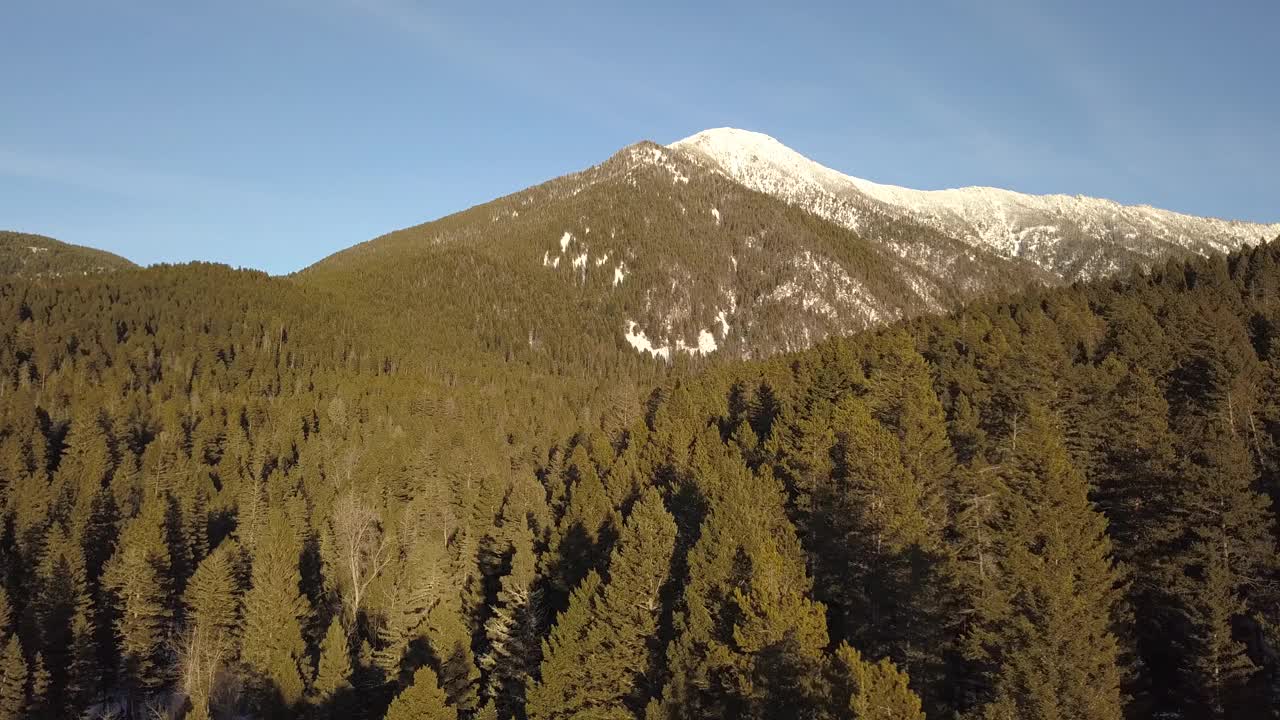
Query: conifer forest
<point x="228" y="495"/>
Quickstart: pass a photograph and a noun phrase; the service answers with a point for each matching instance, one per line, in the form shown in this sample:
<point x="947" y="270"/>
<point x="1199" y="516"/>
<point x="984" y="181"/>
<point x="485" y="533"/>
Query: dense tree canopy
<point x="229" y="495"/>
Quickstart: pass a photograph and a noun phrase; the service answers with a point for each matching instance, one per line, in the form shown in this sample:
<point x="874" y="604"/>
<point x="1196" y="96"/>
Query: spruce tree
<point x="512" y="632"/>
<point x="274" y="612"/>
<point x="1045" y="602"/>
<point x="212" y="604"/>
<point x="561" y="671"/>
<point x="608" y="668"/>
<point x="422" y="700"/>
<point x="13" y="678"/>
<point x="137" y="577"/>
<point x="1226" y="544"/>
<point x="66" y="619"/>
<point x="863" y="690"/>
<point x="584" y="532"/>
<point x="333" y="674"/>
<point x="748" y="638"/>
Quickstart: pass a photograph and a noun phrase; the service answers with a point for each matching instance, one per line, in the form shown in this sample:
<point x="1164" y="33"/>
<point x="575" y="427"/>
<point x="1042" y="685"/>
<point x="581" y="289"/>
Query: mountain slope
<point x="653" y="251"/>
<point x="1073" y="238"/>
<point x="39" y="256"/>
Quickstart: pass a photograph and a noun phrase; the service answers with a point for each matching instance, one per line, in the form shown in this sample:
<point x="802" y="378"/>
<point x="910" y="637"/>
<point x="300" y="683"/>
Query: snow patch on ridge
<point x="641" y="342"/>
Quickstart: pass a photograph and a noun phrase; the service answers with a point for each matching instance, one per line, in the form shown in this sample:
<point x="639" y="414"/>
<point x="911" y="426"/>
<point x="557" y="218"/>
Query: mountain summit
<point x="1072" y="237"/>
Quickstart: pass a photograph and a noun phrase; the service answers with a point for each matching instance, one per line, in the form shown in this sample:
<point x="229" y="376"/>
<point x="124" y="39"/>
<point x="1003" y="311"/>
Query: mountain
<point x="654" y="251"/>
<point x="39" y="256"/>
<point x="1072" y="237"/>
<point x="730" y="245"/>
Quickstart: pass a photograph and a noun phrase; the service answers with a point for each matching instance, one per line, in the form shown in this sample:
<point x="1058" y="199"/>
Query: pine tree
<point x="422" y="700"/>
<point x="334" y="673"/>
<point x="512" y="632"/>
<point x="584" y="532"/>
<point x="66" y="620"/>
<point x="137" y="577"/>
<point x="449" y="636"/>
<point x="748" y="639"/>
<point x="886" y="543"/>
<point x="608" y="668"/>
<point x="1045" y="601"/>
<point x="13" y="679"/>
<point x="863" y="690"/>
<point x="212" y="603"/>
<point x="1227" y="542"/>
<point x="561" y="671"/>
<point x="274" y="612"/>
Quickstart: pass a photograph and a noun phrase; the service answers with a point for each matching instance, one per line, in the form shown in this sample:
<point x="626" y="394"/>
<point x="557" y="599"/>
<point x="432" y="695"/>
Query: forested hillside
<point x="228" y="495"/>
<point x="38" y="256"/>
<point x="651" y="255"/>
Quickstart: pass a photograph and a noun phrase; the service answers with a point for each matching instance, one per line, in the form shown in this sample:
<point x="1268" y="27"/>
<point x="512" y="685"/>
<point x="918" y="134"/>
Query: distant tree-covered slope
<point x="650" y="254"/>
<point x="38" y="256"/>
<point x="729" y="245"/>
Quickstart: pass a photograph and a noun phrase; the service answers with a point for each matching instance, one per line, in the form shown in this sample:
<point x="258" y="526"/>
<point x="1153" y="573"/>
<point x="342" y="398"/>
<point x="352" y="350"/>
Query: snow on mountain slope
<point x="1072" y="237"/>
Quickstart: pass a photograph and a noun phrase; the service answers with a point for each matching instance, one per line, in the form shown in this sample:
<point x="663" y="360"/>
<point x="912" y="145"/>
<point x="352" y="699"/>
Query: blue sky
<point x="270" y="133"/>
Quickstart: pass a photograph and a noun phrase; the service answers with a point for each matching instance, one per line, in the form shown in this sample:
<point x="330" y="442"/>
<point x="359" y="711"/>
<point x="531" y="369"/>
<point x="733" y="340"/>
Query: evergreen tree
<point x="607" y="669"/>
<point x="334" y="673"/>
<point x="512" y="632"/>
<point x="66" y="621"/>
<point x="863" y="690"/>
<point x="584" y="532"/>
<point x="748" y="639"/>
<point x="561" y="670"/>
<point x="274" y="613"/>
<point x="422" y="700"/>
<point x="212" y="603"/>
<point x="137" y="577"/>
<point x="13" y="679"/>
<point x="1045" y="601"/>
<point x="1226" y="540"/>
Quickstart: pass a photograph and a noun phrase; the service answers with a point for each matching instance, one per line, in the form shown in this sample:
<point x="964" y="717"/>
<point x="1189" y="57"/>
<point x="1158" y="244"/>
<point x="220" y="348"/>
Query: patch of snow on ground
<point x="602" y="259"/>
<point x="723" y="319"/>
<point x="706" y="342"/>
<point x="619" y="274"/>
<point x="564" y="240"/>
<point x="716" y="214"/>
<point x="580" y="261"/>
<point x="640" y="342"/>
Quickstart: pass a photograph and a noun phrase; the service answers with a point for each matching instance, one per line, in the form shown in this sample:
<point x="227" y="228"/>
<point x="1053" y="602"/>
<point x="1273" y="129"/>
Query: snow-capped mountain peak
<point x="1073" y="237"/>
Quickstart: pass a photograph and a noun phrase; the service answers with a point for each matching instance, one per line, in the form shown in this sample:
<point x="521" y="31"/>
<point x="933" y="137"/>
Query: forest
<point x="226" y="495"/>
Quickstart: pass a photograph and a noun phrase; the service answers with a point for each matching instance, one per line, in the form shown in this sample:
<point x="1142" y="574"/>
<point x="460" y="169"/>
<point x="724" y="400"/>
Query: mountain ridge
<point x="1073" y="236"/>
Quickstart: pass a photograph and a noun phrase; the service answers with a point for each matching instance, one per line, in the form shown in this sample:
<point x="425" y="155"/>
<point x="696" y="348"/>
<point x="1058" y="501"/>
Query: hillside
<point x="233" y="495"/>
<point x="38" y="256"/>
<point x="651" y="252"/>
<point x="729" y="245"/>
